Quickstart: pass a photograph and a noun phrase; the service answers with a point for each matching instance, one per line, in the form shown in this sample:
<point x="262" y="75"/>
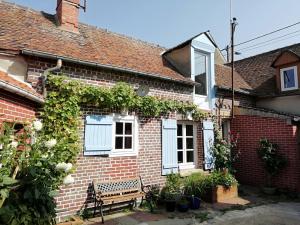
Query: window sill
<point x="122" y="154"/>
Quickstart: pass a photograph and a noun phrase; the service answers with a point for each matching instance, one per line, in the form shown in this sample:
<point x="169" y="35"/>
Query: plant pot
<point x="194" y="202"/>
<point x="269" y="190"/>
<point x="189" y="116"/>
<point x="170" y="205"/>
<point x="220" y="193"/>
<point x="183" y="207"/>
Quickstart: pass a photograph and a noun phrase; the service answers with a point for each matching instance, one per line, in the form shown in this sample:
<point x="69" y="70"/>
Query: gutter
<point x="20" y="92"/>
<point x="99" y="65"/>
<point x="238" y="91"/>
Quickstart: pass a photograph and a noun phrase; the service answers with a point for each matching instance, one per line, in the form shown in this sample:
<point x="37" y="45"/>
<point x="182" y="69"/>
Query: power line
<point x="261" y="36"/>
<point x="270" y="40"/>
<point x="270" y="43"/>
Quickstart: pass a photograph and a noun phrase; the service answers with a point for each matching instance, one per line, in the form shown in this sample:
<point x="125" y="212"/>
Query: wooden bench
<point x="118" y="191"/>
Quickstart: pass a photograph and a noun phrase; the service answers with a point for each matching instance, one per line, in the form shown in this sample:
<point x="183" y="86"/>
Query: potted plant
<point x="170" y="201"/>
<point x="273" y="162"/>
<point x="183" y="204"/>
<point x="171" y="191"/>
<point x="193" y="189"/>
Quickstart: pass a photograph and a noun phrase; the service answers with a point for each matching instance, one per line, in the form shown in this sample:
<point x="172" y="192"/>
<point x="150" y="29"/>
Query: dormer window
<point x="289" y="78"/>
<point x="200" y="73"/>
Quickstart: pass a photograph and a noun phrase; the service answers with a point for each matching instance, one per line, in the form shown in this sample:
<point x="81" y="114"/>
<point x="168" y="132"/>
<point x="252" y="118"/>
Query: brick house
<point x="191" y="71"/>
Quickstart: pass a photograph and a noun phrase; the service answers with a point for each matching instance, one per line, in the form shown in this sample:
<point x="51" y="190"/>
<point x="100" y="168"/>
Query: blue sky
<point x="169" y="22"/>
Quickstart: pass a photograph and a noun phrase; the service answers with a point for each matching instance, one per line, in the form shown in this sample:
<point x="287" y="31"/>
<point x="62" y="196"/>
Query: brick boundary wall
<point x="16" y="109"/>
<point x="278" y="130"/>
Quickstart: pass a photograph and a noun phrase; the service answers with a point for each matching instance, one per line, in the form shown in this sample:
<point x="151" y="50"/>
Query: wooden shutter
<point x="208" y="141"/>
<point x="169" y="146"/>
<point x="98" y="135"/>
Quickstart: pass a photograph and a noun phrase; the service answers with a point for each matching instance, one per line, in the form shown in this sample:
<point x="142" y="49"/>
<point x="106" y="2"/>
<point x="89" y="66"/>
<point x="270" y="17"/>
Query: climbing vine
<point x="29" y="182"/>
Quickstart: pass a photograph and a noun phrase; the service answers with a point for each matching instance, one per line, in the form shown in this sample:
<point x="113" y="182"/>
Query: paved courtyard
<point x="251" y="209"/>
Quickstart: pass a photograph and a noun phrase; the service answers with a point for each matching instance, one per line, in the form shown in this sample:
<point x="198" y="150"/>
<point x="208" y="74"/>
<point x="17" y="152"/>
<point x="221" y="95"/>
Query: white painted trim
<point x="135" y="136"/>
<point x="295" y="77"/>
<point x="188" y="165"/>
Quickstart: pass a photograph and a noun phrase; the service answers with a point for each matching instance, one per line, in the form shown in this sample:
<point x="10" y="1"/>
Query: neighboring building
<point x="31" y="42"/>
<point x="274" y="80"/>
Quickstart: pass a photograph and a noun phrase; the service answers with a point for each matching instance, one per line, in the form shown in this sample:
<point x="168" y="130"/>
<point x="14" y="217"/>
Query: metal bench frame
<point x="118" y="191"/>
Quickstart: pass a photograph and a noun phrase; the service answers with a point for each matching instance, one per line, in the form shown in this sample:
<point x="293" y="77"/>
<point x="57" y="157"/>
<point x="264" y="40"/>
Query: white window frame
<point x="295" y="77"/>
<point x="125" y="152"/>
<point x="187" y="165"/>
<point x="207" y="60"/>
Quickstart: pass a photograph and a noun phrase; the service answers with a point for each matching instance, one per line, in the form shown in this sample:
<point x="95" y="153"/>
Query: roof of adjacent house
<point x="258" y="72"/>
<point x="13" y="85"/>
<point x="223" y="79"/>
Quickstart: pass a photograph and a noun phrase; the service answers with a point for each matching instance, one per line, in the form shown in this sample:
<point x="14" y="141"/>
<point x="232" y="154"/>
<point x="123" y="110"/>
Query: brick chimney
<point x="67" y="12"/>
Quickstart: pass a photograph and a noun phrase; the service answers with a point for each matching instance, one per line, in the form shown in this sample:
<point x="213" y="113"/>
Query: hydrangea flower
<point x="69" y="180"/>
<point x="64" y="166"/>
<point x="37" y="125"/>
<point x="14" y="144"/>
<point x="51" y="143"/>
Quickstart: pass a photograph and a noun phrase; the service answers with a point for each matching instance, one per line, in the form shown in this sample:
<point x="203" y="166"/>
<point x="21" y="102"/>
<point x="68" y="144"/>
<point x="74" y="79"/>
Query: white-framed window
<point x="289" y="78"/>
<point x="201" y="72"/>
<point x="124" y="135"/>
<point x="186" y="145"/>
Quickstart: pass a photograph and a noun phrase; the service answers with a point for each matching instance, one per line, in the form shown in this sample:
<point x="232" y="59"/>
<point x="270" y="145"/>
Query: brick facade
<point x="251" y="129"/>
<point x="15" y="109"/>
<point x="146" y="164"/>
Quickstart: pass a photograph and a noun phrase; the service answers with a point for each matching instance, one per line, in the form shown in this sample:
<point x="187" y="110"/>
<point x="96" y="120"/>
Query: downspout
<point x="45" y="74"/>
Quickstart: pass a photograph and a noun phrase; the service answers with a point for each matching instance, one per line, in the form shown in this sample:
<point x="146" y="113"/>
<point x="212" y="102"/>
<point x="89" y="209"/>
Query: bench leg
<point x="101" y="211"/>
<point x="142" y="201"/>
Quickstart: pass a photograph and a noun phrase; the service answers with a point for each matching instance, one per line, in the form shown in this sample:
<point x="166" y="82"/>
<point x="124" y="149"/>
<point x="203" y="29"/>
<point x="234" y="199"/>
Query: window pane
<point x="128" y="128"/>
<point x="190" y="156"/>
<point x="119" y="143"/>
<point x="200" y="73"/>
<point x="180" y="156"/>
<point x="179" y="130"/>
<point x="189" y="143"/>
<point x="179" y="143"/>
<point x="119" y="128"/>
<point x="128" y="142"/>
<point x="289" y="78"/>
<point x="189" y="130"/>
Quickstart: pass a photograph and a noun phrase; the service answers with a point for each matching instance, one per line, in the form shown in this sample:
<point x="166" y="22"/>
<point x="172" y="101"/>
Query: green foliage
<point x="172" y="188"/>
<point x="224" y="152"/>
<point x="121" y="96"/>
<point x="273" y="161"/>
<point x="197" y="184"/>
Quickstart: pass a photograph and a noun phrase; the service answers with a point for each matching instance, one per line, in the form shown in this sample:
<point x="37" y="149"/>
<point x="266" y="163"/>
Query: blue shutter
<point x="208" y="141"/>
<point x="98" y="135"/>
<point x="169" y="146"/>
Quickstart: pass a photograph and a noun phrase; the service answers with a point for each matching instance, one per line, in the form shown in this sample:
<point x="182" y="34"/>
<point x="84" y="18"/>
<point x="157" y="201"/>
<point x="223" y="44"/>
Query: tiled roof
<point x="10" y="81"/>
<point x="223" y="79"/>
<point x="23" y="28"/>
<point x="258" y="72"/>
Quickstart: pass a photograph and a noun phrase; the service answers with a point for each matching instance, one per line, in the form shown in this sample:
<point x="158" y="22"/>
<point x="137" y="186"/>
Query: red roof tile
<point x="23" y="28"/>
<point x="258" y="72"/>
<point x="223" y="79"/>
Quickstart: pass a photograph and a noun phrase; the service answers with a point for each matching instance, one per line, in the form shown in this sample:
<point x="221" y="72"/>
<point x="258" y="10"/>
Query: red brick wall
<point x="249" y="166"/>
<point x="15" y="109"/>
<point x="148" y="162"/>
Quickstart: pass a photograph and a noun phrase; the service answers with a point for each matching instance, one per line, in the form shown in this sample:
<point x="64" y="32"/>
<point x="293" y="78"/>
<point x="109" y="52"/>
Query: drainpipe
<point x="46" y="72"/>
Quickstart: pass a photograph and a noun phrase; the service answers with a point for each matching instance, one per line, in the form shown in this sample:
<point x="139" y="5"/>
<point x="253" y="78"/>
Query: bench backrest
<point x="124" y="186"/>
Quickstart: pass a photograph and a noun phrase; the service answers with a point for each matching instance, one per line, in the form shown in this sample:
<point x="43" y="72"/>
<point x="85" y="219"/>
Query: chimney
<point x="67" y="12"/>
